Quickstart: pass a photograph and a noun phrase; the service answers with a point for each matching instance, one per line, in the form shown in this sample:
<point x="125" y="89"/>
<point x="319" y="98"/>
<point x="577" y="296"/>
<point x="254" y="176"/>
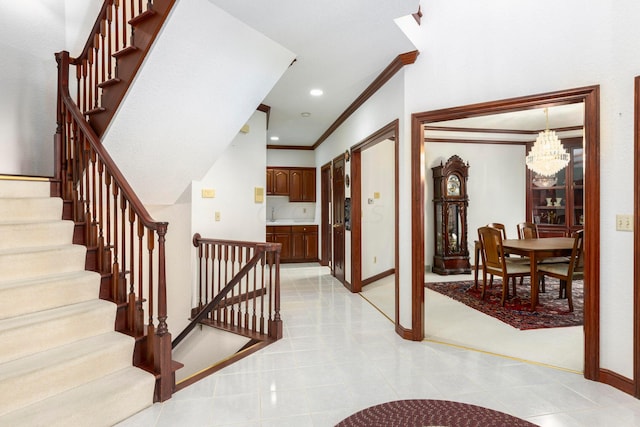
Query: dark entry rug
<point x="552" y="312"/>
<point x="425" y="413"/>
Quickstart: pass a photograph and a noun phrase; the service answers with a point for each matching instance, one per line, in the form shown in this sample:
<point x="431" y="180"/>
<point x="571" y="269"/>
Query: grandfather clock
<point x="450" y="201"/>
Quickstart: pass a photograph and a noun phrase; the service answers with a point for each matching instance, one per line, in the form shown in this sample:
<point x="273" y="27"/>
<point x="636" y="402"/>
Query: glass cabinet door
<point x="577" y="154"/>
<point x="453" y="228"/>
<point x="439" y="236"/>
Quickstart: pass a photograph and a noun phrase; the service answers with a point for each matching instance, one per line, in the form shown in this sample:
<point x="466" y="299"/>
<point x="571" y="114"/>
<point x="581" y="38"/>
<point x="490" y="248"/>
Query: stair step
<point x="32" y="234"/>
<point x="103" y="402"/>
<point x="42" y="375"/>
<point x="25" y="263"/>
<point x="24" y="209"/>
<point x="25" y="335"/>
<point x="25" y="187"/>
<point x="17" y="296"/>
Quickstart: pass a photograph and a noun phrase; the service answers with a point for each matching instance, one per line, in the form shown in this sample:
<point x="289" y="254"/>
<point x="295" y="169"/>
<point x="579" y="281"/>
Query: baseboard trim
<point x="616" y="380"/>
<point x="378" y="276"/>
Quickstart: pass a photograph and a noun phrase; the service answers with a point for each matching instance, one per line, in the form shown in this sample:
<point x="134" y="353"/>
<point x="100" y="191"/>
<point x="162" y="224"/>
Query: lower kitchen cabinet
<point x="299" y="242"/>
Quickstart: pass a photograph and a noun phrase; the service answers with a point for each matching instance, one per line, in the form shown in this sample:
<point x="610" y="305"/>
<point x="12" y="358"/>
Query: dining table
<point x="537" y="250"/>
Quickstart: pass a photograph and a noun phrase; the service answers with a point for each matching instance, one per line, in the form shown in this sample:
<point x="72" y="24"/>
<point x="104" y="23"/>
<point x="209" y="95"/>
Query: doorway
<point x="325" y="218"/>
<point x="374" y="226"/>
<point x="590" y="97"/>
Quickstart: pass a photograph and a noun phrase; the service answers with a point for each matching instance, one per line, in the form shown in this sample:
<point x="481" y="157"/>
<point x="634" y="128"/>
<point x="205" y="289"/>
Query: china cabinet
<point x="556" y="203"/>
<point x="450" y="202"/>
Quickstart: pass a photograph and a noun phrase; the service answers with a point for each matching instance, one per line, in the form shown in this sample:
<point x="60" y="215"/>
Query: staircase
<point x="61" y="361"/>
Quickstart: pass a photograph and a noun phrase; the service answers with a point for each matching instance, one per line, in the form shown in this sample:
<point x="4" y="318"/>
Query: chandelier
<point x="547" y="156"/>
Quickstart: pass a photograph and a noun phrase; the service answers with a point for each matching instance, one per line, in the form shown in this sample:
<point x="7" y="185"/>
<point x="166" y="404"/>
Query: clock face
<point x="453" y="185"/>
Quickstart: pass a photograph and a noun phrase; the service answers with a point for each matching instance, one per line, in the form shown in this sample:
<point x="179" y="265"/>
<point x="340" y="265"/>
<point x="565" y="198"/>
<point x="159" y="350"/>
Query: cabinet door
<point x="284" y="238"/>
<point x="309" y="185"/>
<point x="297" y="246"/>
<point x="295" y="185"/>
<point x="280" y="182"/>
<point x="311" y="245"/>
<point x="270" y="181"/>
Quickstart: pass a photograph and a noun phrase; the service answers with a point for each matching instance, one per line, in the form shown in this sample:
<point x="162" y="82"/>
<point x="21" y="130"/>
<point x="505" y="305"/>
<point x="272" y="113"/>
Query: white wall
<point x="482" y="51"/>
<point x="378" y="214"/>
<point x="496" y="187"/>
<point x="234" y="177"/>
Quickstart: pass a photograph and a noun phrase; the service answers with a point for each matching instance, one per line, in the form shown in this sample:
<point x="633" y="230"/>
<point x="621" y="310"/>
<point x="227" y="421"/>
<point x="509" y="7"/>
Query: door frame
<point x="326" y="256"/>
<point x="590" y="95"/>
<point x="388" y="132"/>
<point x="343" y="280"/>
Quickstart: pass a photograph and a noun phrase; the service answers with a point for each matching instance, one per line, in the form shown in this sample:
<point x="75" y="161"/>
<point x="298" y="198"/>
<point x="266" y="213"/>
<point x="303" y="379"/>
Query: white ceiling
<point x="341" y="46"/>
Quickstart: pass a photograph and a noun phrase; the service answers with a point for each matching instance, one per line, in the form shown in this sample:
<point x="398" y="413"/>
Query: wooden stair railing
<point x="238" y="288"/>
<point x="119" y="232"/>
<point x="116" y="47"/>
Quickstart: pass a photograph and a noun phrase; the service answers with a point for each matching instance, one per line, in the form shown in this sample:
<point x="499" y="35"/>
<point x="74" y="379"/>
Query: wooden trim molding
<point x="636" y="240"/>
<point x="590" y="95"/>
<point x="395" y="66"/>
<point x="618" y="381"/>
<point x="378" y="276"/>
<point x="265" y="109"/>
<point x="289" y="147"/>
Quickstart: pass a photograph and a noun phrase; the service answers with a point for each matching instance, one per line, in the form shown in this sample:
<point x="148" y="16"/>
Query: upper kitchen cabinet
<point x="277" y="181"/>
<point x="302" y="185"/>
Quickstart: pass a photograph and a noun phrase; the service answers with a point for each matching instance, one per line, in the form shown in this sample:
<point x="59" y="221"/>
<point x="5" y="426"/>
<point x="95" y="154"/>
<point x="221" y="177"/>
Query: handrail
<point x="117" y="226"/>
<point x="263" y="252"/>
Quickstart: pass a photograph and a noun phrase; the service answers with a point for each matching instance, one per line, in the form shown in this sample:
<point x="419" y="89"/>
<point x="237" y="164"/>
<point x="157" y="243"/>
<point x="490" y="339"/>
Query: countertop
<point x="291" y="222"/>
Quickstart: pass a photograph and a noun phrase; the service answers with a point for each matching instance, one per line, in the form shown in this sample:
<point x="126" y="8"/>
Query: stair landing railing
<point x="238" y="288"/>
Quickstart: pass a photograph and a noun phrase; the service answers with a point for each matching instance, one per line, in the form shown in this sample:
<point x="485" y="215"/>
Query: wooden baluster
<point x="139" y="318"/>
<point x="275" y="328"/>
<point x="96" y="70"/>
<point x="132" y="273"/>
<point x="100" y="243"/>
<point x="162" y="348"/>
<point x="263" y="282"/>
<point x="115" y="267"/>
<point x="110" y="41"/>
<point x="124" y="24"/>
<point x="151" y="335"/>
<point x="124" y="266"/>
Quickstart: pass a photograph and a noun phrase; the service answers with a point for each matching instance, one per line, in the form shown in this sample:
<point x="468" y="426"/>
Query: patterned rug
<point x="426" y="413"/>
<point x="552" y="312"/>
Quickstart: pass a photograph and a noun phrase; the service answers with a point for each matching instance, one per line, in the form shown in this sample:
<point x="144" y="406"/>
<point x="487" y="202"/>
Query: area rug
<point x="427" y="413"/>
<point x="552" y="312"/>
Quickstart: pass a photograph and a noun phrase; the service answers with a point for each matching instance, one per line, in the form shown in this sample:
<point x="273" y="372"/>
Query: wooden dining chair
<point x="495" y="262"/>
<point x="527" y="230"/>
<point x="567" y="272"/>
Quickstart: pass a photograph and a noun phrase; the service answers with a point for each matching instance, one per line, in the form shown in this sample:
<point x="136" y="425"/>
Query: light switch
<point x="624" y="222"/>
<point x="258" y="194"/>
<point x="376" y="195"/>
<point x="208" y="193"/>
<point x="217" y="216"/>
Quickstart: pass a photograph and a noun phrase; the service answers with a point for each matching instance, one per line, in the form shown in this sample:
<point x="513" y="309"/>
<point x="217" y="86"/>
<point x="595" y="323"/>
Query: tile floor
<point x="340" y="354"/>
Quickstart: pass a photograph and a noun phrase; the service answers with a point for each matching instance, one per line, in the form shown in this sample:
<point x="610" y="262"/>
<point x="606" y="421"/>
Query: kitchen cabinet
<point x="555" y="203"/>
<point x="299" y="242"/>
<point x="282" y="235"/>
<point x="297" y="183"/>
<point x="302" y="185"/>
<point x="277" y="181"/>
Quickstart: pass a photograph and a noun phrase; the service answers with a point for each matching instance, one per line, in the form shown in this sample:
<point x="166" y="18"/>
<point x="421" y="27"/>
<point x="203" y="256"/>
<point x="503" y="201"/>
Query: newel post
<point x="162" y="342"/>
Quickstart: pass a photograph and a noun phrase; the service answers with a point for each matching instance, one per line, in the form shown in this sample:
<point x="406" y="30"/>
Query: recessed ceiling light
<point x="275" y="138"/>
<point x="316" y="92"/>
<point x="305" y="114"/>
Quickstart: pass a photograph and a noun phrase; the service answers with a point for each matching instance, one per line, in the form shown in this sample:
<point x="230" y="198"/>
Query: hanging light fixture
<point x="547" y="156"/>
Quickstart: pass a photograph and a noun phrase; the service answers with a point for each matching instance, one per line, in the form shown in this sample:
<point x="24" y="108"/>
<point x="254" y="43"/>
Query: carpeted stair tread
<point x="40" y="261"/>
<point x="39" y="376"/>
<point x="30" y="208"/>
<point x="34" y="234"/>
<point x="24" y="188"/>
<point x="17" y="296"/>
<point x="103" y="402"/>
<point x="24" y="335"/>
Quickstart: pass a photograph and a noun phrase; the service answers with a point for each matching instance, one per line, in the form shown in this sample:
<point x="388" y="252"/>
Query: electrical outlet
<point x="624" y="222"/>
<point x="217" y="215"/>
